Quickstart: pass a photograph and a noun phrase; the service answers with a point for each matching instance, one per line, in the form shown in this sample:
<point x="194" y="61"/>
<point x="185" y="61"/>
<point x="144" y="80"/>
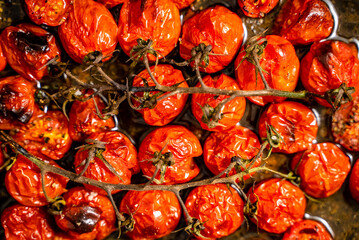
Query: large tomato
<point x="354" y="181"/>
<point x="255" y="8"/>
<point x="307" y="229"/>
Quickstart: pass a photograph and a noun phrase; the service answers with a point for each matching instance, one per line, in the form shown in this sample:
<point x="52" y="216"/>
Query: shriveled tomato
<point x="156" y="20"/>
<point x="328" y="65"/>
<point x="177" y="146"/>
<point x="90" y="27"/>
<point x="169" y="108"/>
<point x="182" y="3"/>
<point x="295" y="123"/>
<point x="111" y="3"/>
<point x="220" y="147"/>
<point x="218" y="207"/>
<point x="216" y="26"/>
<point x="280" y="66"/>
<point x="280" y="204"/>
<point x="120" y="153"/>
<point x="204" y="105"/>
<point x="307" y="229"/>
<point x="257" y="9"/>
<point x="2" y="59"/>
<point x="45" y="135"/>
<point x="87" y="215"/>
<point x="354" y="181"/>
<point x="28" y="48"/>
<point x="155" y="213"/>
<point x="322" y="169"/>
<point x="23" y="222"/>
<point x="49" y="12"/>
<point x="304" y="21"/>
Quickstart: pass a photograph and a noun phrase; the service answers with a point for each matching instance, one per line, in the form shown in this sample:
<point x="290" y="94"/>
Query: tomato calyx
<point x="340" y="95"/>
<point x="211" y="115"/>
<point x="143" y="48"/>
<point x="273" y="137"/>
<point x="129" y="223"/>
<point x="57" y="205"/>
<point x="195" y="226"/>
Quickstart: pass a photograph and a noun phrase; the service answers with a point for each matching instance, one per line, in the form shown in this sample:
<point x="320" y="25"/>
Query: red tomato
<point x="28" y="48"/>
<point x="295" y="123"/>
<point x="329" y="64"/>
<point x="156" y="213"/>
<point x="231" y="113"/>
<point x="49" y="12"/>
<point x="280" y="204"/>
<point x="354" y="181"/>
<point x="158" y="20"/>
<point x="167" y="109"/>
<point x="304" y="21"/>
<point x="307" y="229"/>
<point x="87" y="215"/>
<point x="216" y="26"/>
<point x="181" y="143"/>
<point x="23" y="223"/>
<point x="45" y="135"/>
<point x="90" y="27"/>
<point x="322" y="169"/>
<point x="257" y="9"/>
<point x="2" y="59"/>
<point x="281" y="69"/>
<point x="120" y="153"/>
<point x="220" y="147"/>
<point x="23" y="182"/>
<point x="182" y="3"/>
<point x="111" y="3"/>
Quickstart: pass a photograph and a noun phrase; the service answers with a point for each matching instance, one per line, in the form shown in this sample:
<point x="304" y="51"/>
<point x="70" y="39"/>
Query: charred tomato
<point x="307" y="229"/>
<point x="257" y="9"/>
<point x="354" y="181"/>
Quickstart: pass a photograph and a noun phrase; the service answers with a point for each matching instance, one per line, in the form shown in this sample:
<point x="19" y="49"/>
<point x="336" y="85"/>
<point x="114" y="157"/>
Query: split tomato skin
<point x="354" y="181"/>
<point x="89" y="27"/>
<point x="307" y="229"/>
<point x="216" y="26"/>
<point x="322" y="169"/>
<point x="280" y="66"/>
<point x="280" y="204"/>
<point x="257" y="9"/>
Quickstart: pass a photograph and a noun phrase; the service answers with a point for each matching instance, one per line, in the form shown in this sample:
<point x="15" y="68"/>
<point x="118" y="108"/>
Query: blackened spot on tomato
<point x="308" y="231"/>
<point x="82" y="219"/>
<point x="29" y="42"/>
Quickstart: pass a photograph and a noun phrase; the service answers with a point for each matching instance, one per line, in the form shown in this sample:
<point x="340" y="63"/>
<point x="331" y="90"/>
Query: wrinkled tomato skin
<point x="23" y="182"/>
<point x="219" y="207"/>
<point x="216" y="26"/>
<point x="49" y="12"/>
<point x="23" y="223"/>
<point x="28" y="48"/>
<point x="46" y="135"/>
<point x="158" y="20"/>
<point x="3" y="61"/>
<point x="79" y="198"/>
<point x="220" y="147"/>
<point x="184" y="146"/>
<point x="156" y="213"/>
<point x="111" y="3"/>
<point x="90" y="27"/>
<point x="257" y="9"/>
<point x="182" y="3"/>
<point x="281" y="70"/>
<point x="322" y="169"/>
<point x="231" y="113"/>
<point x="295" y="123"/>
<point x="328" y="65"/>
<point x="354" y="181"/>
<point x="119" y="152"/>
<point x="304" y="21"/>
<point x="280" y="204"/>
<point x="168" y="109"/>
<point x="307" y="229"/>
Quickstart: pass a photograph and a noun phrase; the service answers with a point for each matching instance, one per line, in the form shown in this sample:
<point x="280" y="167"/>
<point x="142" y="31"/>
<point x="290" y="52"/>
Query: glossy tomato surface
<point x="354" y="181"/>
<point x="307" y="229"/>
<point x="280" y="66"/>
<point x="3" y="61"/>
<point x="182" y="3"/>
<point x="111" y="3"/>
<point x="257" y="9"/>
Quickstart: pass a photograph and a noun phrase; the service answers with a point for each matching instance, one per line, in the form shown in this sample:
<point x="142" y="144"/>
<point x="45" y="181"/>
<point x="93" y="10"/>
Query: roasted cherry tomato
<point x="85" y="120"/>
<point x="220" y="147"/>
<point x="23" y="223"/>
<point x="28" y="48"/>
<point x="120" y="153"/>
<point x="328" y="65"/>
<point x="90" y="27"/>
<point x="307" y="230"/>
<point x="218" y="207"/>
<point x="87" y="215"/>
<point x="354" y="181"/>
<point x="45" y="135"/>
<point x="279" y="204"/>
<point x="304" y="21"/>
<point x="322" y="169"/>
<point x="49" y="12"/>
<point x="2" y="59"/>
<point x="174" y="146"/>
<point x="182" y="3"/>
<point x="204" y="105"/>
<point x="257" y="9"/>
<point x="280" y="66"/>
<point x="167" y="109"/>
<point x="155" y="213"/>
<point x="295" y="123"/>
<point x="156" y="20"/>
<point x="23" y="182"/>
<point x="216" y="26"/>
<point x="111" y="3"/>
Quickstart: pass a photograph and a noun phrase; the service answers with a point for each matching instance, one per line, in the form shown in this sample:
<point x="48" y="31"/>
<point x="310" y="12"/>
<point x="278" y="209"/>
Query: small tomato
<point x="307" y="229"/>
